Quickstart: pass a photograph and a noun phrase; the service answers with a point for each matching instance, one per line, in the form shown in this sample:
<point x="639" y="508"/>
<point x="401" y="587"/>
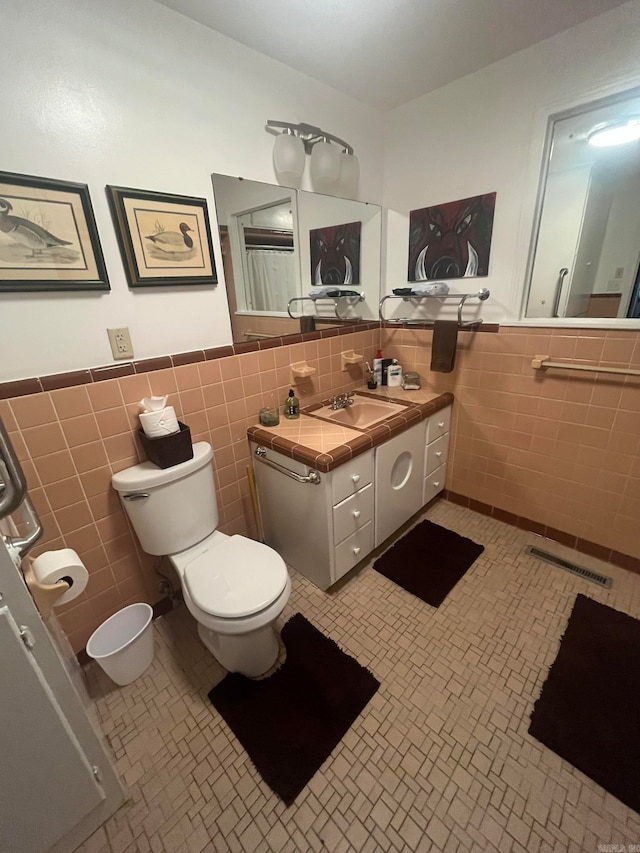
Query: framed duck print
<point x="165" y="240"/>
<point x="48" y="236"/>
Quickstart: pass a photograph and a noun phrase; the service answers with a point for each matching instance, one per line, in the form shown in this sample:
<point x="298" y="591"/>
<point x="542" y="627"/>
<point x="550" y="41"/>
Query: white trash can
<point x="123" y="645"/>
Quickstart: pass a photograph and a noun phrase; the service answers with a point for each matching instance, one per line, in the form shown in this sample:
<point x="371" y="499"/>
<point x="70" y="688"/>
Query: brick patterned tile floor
<point x="440" y="759"/>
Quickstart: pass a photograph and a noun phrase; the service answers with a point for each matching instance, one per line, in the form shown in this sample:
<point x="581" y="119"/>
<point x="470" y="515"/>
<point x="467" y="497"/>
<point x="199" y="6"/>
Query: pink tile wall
<point x="70" y="441"/>
<point x="559" y="448"/>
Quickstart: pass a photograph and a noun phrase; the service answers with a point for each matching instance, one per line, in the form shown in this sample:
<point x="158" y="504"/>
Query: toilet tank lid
<point x="146" y="475"/>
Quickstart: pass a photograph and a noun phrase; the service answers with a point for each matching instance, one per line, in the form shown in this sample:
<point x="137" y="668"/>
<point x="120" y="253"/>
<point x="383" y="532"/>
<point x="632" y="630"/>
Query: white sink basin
<point x="363" y="412"/>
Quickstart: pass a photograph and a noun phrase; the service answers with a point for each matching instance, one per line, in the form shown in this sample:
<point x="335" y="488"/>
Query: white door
<point x="57" y="784"/>
<point x="557" y="242"/>
<point x="40" y="755"/>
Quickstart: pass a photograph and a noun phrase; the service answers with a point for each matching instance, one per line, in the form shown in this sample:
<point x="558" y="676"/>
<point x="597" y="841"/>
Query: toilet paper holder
<point x="45" y="595"/>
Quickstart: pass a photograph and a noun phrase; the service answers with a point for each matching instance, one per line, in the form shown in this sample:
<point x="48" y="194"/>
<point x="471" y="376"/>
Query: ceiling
<point x="387" y="52"/>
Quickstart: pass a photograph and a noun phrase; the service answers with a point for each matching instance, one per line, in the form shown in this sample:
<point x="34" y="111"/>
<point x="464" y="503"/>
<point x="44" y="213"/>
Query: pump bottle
<point x="292" y="406"/>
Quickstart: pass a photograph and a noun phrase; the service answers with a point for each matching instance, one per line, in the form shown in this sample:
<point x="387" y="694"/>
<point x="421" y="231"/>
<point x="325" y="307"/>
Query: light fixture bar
<point x="308" y="133"/>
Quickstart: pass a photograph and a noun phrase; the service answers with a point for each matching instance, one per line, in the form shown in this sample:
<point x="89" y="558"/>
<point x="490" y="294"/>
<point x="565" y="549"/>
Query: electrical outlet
<point x="120" y="341"/>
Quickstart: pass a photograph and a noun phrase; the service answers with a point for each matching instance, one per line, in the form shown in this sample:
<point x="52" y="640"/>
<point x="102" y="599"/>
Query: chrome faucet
<point x="341" y="401"/>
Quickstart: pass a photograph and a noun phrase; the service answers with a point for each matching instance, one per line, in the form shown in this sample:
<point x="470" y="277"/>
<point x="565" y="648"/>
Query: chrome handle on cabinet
<point x="356" y="513"/>
<point x="436" y="483"/>
<point x="438" y="453"/>
<point x="441" y="424"/>
<point x="135" y="496"/>
<point x="356" y="478"/>
<point x="357" y="550"/>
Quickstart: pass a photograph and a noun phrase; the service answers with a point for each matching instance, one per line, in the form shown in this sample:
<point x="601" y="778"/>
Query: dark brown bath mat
<point x="589" y="709"/>
<point x="290" y="722"/>
<point x="428" y="561"/>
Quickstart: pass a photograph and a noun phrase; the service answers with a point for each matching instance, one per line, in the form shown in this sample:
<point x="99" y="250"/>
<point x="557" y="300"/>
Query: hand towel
<point x="443" y="345"/>
<point x="430" y="288"/>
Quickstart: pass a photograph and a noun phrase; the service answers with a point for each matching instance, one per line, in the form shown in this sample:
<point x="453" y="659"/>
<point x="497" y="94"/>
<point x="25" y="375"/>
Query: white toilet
<point x="233" y="586"/>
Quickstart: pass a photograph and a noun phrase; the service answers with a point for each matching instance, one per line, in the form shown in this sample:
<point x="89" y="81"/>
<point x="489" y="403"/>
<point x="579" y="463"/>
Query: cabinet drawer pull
<point x="356" y="513"/>
<point x="356" y="478"/>
<point x="440" y="424"/>
<point x="438" y="453"/>
<point x="357" y="550"/>
<point x="436" y="483"/>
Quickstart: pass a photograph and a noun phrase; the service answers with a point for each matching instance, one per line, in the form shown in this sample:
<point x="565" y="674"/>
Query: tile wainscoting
<point x="73" y="436"/>
<point x="557" y="453"/>
<point x="556" y="449"/>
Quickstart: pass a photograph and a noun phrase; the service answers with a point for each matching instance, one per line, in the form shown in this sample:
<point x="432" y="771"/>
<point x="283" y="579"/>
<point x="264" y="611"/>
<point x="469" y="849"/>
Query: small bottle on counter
<point x="377" y="367"/>
<point x="292" y="406"/>
<point x="394" y="374"/>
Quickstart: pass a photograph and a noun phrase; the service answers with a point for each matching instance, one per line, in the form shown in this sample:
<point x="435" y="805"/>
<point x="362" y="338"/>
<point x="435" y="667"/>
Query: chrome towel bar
<point x="541" y="362"/>
<point x="338" y="301"/>
<point x="482" y="295"/>
<point x="312" y="477"/>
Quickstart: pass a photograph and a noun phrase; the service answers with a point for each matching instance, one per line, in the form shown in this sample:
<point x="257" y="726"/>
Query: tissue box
<point x="168" y="450"/>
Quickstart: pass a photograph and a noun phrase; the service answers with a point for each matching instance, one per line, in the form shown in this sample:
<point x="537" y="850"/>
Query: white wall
<point x="133" y="94"/>
<point x="485" y="133"/>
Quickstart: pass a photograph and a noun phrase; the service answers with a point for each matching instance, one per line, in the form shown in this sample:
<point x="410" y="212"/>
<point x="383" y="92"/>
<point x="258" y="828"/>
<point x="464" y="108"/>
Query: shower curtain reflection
<point x="271" y="278"/>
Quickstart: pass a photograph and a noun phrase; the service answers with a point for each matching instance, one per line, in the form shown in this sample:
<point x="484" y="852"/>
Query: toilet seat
<point x="236" y="578"/>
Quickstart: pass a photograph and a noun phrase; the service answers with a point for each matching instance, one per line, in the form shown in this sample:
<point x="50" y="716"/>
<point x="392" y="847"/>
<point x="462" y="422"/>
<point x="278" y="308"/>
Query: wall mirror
<point x="586" y="246"/>
<point x="280" y="244"/>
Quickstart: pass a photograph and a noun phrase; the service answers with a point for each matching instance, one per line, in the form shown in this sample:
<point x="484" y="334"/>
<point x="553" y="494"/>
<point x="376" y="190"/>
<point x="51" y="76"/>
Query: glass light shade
<point x="288" y="158"/>
<point x="349" y="174"/>
<point x="325" y="166"/>
<point x="617" y="133"/>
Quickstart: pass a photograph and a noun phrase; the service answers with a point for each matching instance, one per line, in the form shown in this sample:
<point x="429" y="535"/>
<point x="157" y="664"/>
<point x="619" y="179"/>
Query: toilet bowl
<point x="234" y="587"/>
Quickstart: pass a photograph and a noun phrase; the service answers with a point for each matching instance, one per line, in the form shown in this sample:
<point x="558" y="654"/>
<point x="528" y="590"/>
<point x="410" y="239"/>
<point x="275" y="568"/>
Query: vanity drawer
<point x="438" y="424"/>
<point x="353" y="549"/>
<point x="433" y="484"/>
<point x="352" y="476"/>
<point x="352" y="514"/>
<point x="436" y="454"/>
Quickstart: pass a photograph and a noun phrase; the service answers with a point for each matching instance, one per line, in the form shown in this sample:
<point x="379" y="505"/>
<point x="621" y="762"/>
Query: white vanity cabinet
<point x="324" y="529"/>
<point x="437" y="448"/>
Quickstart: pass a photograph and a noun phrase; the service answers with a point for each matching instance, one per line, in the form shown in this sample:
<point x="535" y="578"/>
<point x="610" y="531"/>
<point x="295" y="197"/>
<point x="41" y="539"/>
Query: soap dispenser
<point x="292" y="406"/>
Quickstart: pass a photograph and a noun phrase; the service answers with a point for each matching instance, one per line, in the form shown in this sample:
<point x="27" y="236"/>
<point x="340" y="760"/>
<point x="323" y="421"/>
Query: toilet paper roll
<point x="157" y="424"/>
<point x="63" y="565"/>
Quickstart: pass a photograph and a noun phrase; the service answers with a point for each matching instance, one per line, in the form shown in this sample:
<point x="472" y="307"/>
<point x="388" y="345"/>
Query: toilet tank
<point x="170" y="508"/>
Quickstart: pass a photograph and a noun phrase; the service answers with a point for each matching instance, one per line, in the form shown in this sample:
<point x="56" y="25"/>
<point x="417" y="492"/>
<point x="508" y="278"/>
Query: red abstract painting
<point x="451" y="240"/>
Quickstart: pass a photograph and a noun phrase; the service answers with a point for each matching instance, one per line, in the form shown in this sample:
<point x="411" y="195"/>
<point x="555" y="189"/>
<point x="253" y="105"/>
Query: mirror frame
<point x="534" y="193"/>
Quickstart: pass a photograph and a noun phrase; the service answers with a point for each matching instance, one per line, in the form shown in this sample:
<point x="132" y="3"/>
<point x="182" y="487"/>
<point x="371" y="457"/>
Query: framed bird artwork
<point x="164" y="239"/>
<point x="48" y="236"/>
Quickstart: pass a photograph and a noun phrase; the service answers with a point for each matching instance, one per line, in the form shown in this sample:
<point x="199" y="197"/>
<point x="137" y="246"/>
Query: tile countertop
<point x="324" y="445"/>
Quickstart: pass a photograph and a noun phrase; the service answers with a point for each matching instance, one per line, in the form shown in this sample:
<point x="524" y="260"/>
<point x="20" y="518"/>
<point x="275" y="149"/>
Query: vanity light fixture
<point x="615" y="132"/>
<point x="333" y="165"/>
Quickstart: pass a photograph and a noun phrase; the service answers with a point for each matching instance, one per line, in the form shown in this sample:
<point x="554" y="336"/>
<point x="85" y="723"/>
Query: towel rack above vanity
<point x="481" y="294"/>
<point x="338" y="303"/>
